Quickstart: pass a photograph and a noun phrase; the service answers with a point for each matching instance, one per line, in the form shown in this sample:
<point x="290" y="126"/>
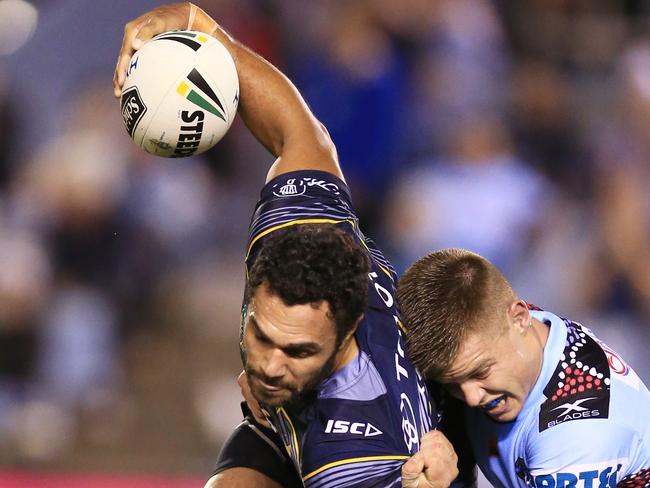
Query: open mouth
<point x="494" y="404"/>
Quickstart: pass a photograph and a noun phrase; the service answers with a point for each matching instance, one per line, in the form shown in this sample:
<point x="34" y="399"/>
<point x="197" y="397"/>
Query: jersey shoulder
<point x="589" y="425"/>
<point x="580" y="386"/>
<point x="310" y="197"/>
<point x="301" y="197"/>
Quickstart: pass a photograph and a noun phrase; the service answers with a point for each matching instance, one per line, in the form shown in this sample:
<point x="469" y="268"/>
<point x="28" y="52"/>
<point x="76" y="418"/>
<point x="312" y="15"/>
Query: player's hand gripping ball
<point x="180" y="95"/>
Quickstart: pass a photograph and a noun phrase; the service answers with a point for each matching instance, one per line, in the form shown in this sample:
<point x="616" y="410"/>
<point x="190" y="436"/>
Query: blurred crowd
<point x="519" y="129"/>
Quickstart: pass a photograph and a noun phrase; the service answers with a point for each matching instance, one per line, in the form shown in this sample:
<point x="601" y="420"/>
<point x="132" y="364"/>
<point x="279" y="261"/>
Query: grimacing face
<point x="496" y="368"/>
<point x="289" y="349"/>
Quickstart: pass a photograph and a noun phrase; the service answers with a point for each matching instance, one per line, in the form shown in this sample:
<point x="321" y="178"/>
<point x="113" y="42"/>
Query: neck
<point x="541" y="332"/>
<point x="347" y="353"/>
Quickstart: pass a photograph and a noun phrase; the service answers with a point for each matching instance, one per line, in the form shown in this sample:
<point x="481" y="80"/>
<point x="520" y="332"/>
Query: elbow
<point x="324" y="142"/>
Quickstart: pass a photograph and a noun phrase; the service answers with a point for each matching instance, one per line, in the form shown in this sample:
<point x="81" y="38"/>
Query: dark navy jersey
<point x="367" y="417"/>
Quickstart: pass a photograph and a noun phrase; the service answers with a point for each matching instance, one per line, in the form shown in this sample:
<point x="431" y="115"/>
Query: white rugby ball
<point x="180" y="95"/>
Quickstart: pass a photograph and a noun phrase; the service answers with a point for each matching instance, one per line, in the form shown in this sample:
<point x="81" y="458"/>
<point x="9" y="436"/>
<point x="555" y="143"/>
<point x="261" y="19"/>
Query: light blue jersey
<point x="586" y="422"/>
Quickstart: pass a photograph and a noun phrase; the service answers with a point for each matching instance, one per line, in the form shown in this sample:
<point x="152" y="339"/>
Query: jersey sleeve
<point x="270" y="459"/>
<point x="300" y="197"/>
<point x="591" y="453"/>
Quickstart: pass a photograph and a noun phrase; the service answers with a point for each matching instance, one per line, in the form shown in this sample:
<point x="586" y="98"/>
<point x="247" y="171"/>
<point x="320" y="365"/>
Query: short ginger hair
<point x="444" y="296"/>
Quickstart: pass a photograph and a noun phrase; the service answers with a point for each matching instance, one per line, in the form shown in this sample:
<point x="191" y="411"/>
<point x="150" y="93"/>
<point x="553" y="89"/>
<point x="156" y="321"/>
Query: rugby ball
<point x="180" y="95"/>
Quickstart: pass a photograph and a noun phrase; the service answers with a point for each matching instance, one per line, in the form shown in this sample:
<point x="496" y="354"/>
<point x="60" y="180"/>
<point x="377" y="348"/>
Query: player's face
<point x="497" y="367"/>
<point x="289" y="349"/>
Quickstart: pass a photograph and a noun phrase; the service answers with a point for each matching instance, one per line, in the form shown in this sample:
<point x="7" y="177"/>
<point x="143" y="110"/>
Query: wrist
<point x="200" y="21"/>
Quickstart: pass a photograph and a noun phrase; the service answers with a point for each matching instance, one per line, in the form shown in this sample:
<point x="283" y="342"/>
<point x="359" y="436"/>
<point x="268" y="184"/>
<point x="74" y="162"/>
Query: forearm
<point x="269" y="103"/>
<point x="271" y="106"/>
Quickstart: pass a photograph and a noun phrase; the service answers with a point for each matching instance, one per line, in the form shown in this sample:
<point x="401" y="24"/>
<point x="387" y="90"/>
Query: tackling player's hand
<point x="176" y="16"/>
<point x="435" y="465"/>
<point x="252" y="403"/>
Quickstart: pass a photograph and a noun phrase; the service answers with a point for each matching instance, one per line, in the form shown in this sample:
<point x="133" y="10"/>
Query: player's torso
<point x="368" y="416"/>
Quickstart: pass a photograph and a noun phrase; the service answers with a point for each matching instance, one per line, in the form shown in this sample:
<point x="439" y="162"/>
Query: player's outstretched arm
<point x="433" y="466"/>
<point x="269" y="104"/>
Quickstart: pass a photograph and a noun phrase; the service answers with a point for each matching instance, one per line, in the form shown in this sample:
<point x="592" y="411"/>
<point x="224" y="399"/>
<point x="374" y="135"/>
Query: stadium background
<point x="518" y="129"/>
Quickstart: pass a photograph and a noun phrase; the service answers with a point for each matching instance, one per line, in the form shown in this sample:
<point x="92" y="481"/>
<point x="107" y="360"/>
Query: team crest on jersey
<point x="290" y="188"/>
<point x="579" y="387"/>
<point x="298" y="186"/>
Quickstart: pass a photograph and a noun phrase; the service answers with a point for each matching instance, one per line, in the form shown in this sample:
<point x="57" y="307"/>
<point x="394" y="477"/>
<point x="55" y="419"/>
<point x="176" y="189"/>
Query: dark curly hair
<point x="309" y="263"/>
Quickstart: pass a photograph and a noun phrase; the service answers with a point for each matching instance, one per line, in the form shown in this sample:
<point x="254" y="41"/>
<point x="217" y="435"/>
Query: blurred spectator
<point x="355" y="80"/>
<point x="458" y="72"/>
<point x="544" y="128"/>
<point x="7" y="129"/>
<point x="479" y="196"/>
<point x="623" y="179"/>
<point x="25" y="276"/>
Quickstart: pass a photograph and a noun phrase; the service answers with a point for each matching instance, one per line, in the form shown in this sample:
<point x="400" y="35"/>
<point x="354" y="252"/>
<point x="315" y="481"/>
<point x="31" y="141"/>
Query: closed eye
<point x="482" y="374"/>
<point x="299" y="353"/>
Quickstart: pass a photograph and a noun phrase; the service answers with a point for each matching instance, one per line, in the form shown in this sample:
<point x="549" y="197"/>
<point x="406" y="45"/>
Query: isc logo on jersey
<point x="600" y="475"/>
<point x="357" y="428"/>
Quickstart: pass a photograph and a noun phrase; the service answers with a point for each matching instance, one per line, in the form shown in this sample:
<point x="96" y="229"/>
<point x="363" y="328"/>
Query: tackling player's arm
<point x="270" y="104"/>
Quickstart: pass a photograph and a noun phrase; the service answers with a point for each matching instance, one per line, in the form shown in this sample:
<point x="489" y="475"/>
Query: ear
<point x="519" y="316"/>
